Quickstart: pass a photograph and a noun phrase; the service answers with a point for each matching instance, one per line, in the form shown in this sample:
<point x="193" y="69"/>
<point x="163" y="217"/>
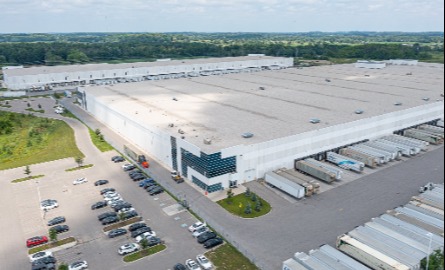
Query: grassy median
<point x="144" y="253"/>
<point x="52" y="245"/>
<point x="238" y="204"/>
<point x="226" y="257"/>
<point x="24" y="179"/>
<point x="27" y="140"/>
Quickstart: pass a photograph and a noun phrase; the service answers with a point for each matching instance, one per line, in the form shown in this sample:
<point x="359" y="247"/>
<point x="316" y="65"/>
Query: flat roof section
<point x="98" y="67"/>
<point x="271" y="104"/>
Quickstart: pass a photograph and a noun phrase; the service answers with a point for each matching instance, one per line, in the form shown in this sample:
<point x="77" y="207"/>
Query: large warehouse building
<point x="223" y="130"/>
<point x="48" y="77"/>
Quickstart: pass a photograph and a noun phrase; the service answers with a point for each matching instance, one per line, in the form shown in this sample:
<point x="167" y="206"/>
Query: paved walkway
<point x="304" y="225"/>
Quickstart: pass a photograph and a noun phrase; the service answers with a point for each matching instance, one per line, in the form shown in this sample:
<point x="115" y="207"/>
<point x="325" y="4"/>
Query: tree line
<point x="175" y="46"/>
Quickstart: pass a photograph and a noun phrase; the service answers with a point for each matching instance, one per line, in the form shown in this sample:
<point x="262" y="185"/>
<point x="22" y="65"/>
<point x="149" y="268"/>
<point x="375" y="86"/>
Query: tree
<point x="79" y="161"/>
<point x="53" y="236"/>
<point x="258" y="206"/>
<point x="101" y="137"/>
<point x="436" y="261"/>
<point x="28" y="171"/>
<point x="121" y="216"/>
<point x="29" y="105"/>
<point x="254" y="198"/>
<point x="230" y="195"/>
<point x="40" y="106"/>
<point x="77" y="56"/>
<point x="248" y="209"/>
<point x="63" y="266"/>
<point x="144" y="243"/>
<point x="248" y="193"/>
<point x="98" y="132"/>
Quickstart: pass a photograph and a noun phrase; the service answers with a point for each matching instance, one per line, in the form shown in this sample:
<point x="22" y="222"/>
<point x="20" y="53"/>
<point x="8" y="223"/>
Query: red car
<point x="35" y="241"/>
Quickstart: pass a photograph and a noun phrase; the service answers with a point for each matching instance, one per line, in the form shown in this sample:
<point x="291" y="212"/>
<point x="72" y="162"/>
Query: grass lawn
<point x="51" y="245"/>
<point x="144" y="253"/>
<point x="102" y="145"/>
<point x="226" y="257"/>
<point x="242" y="200"/>
<point x="27" y="140"/>
<point x="27" y="179"/>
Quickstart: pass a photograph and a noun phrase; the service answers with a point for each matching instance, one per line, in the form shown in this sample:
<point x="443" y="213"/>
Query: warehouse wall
<point x="264" y="157"/>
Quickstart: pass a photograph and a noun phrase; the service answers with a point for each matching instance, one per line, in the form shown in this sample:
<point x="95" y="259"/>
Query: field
<point x="27" y="140"/>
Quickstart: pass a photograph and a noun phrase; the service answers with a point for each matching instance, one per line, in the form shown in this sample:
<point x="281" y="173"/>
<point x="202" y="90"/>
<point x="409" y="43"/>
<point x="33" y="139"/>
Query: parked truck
<point x="285" y="185"/>
<point x="317" y="172"/>
<point x="345" y="162"/>
<point x="309" y="189"/>
<point x="176" y="176"/>
<point x="432" y="129"/>
<point x="424" y="136"/>
<point x="369" y="161"/>
<point x="292" y="264"/>
<point x="367" y="255"/>
<point x="301" y="178"/>
<point x="338" y="173"/>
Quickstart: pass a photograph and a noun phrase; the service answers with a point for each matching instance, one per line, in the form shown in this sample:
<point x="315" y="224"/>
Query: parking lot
<point x="23" y="218"/>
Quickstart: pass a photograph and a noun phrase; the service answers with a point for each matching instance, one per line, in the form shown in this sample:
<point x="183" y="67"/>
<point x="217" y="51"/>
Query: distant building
<point x="370" y="64"/>
<point x="403" y="62"/>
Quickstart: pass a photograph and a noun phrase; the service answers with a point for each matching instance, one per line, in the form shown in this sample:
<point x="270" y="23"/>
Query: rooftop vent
<point x="398" y="104"/>
<point x="175" y="99"/>
<point x="171" y="125"/>
<point x="247" y="135"/>
<point x="327" y="80"/>
<point x="315" y="121"/>
<point x="262" y="88"/>
<point x="180" y="131"/>
<point x="208" y="141"/>
<point x="426" y="99"/>
<point x="359" y="111"/>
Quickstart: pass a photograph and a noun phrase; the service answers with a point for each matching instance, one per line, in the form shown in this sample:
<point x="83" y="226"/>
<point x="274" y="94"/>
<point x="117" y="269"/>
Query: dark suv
<point x="60" y="228"/>
<point x="106" y="215"/>
<point x="140" y="231"/>
<point x="56" y="221"/>
<point x="137" y="226"/>
<point x="121" y="206"/>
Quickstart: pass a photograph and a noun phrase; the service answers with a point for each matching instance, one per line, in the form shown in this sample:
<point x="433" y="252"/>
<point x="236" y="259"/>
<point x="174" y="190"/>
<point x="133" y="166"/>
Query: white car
<point x="114" y="198"/>
<point x="146" y="235"/>
<point x="126" y="210"/>
<point x="192" y="265"/>
<point x="200" y="231"/>
<point x="40" y="255"/>
<point x="128" y="248"/>
<point x="78" y="265"/>
<point x="196" y="226"/>
<point x="46" y="206"/>
<point x="110" y="194"/>
<point x="204" y="262"/>
<point x="80" y="181"/>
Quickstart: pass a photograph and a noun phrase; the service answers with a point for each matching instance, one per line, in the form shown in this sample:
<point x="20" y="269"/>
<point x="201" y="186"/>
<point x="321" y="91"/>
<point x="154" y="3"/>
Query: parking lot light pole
<point x="40" y="196"/>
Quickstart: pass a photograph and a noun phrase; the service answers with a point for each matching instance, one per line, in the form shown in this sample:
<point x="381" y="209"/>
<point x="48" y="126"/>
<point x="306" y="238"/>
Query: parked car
<point x="117" y="232"/>
<point x="130" y="214"/>
<point x="43" y="266"/>
<point x="206" y="237"/>
<point x="135" y="172"/>
<point x="61" y="228"/>
<point x="145" y="182"/>
<point x="110" y="194"/>
<point x="200" y="231"/>
<point x="119" y="206"/>
<point x="128" y="248"/>
<point x="213" y="243"/>
<point x="157" y="191"/>
<point x="204" y="262"/>
<point x="117" y="159"/>
<point x="81" y="265"/>
<point x="128" y="167"/>
<point x="101" y="182"/>
<point x="45" y="260"/>
<point x="196" y="226"/>
<point x="98" y="205"/>
<point x="137" y="226"/>
<point x="106" y="215"/>
<point x="110" y="220"/>
<point x="36" y="241"/>
<point x="40" y="255"/>
<point x="126" y="210"/>
<point x="103" y="191"/>
<point x="192" y="265"/>
<point x="55" y="221"/>
<point x="47" y="205"/>
<point x="152" y="187"/>
<point x="112" y="198"/>
<point x="116" y="202"/>
<point x="154" y="241"/>
<point x="138" y="177"/>
<point x="147" y="235"/>
<point x="179" y="266"/>
<point x="80" y="181"/>
<point x="140" y="231"/>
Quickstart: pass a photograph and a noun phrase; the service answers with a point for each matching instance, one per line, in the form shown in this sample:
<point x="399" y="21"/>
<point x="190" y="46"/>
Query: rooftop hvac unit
<point x="262" y="88"/>
<point x="359" y="111"/>
<point x="208" y="141"/>
<point x="398" y="103"/>
<point x="180" y="131"/>
<point x="247" y="135"/>
<point x="171" y="125"/>
<point x="315" y="121"/>
<point x="426" y="99"/>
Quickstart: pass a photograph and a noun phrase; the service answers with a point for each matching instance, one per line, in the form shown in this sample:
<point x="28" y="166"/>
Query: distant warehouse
<point x="228" y="129"/>
<point x="47" y="77"/>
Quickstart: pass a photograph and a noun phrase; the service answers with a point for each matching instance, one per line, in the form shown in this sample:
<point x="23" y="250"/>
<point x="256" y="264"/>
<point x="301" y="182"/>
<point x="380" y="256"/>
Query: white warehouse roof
<point x="270" y="104"/>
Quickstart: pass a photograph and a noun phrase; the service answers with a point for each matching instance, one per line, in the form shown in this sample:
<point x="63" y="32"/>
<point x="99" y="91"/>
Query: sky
<point x="49" y="16"/>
